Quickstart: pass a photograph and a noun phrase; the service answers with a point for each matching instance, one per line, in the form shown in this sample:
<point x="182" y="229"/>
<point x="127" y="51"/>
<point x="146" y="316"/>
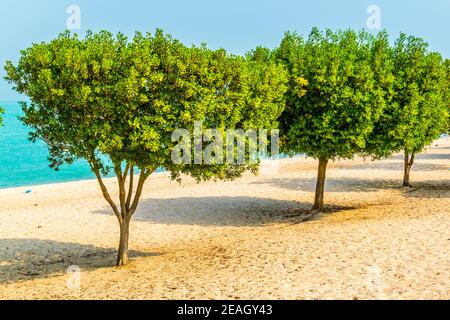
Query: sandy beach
<point x="240" y="239"/>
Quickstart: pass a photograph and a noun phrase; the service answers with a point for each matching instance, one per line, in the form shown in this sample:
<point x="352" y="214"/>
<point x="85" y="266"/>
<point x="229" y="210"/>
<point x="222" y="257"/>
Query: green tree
<point x="447" y="68"/>
<point x="343" y="99"/>
<point x="417" y="110"/>
<point x="248" y="94"/>
<point x="116" y="103"/>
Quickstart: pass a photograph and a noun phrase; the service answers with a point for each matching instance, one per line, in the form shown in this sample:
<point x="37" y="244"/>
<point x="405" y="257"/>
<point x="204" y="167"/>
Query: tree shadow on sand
<point x="426" y="189"/>
<point x="429" y="189"/>
<point x="213" y="211"/>
<point x="425" y="156"/>
<point x="340" y="184"/>
<point x="256" y="211"/>
<point x="26" y="259"/>
<point x="396" y="165"/>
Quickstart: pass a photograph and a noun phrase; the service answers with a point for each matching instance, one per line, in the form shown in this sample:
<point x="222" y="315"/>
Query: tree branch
<point x="122" y="195"/>
<point x="145" y="173"/>
<point x="411" y="160"/>
<point x="125" y="173"/>
<point x="105" y="192"/>
<point x="130" y="189"/>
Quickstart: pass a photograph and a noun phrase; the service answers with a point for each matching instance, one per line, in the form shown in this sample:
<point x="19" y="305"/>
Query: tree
<point x="418" y="108"/>
<point x="116" y="103"/>
<point x="1" y="118"/>
<point x="447" y="68"/>
<point x="334" y="117"/>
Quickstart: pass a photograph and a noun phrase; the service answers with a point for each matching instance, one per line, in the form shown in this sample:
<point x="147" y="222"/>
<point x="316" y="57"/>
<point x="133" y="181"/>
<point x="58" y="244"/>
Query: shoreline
<point x="443" y="142"/>
<point x="157" y="172"/>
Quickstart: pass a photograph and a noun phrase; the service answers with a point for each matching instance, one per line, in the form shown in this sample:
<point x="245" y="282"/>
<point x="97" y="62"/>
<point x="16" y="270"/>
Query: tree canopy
<point x="245" y="93"/>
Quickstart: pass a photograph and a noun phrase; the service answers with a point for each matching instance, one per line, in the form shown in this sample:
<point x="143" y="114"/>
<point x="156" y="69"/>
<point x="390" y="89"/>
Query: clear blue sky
<point x="236" y="25"/>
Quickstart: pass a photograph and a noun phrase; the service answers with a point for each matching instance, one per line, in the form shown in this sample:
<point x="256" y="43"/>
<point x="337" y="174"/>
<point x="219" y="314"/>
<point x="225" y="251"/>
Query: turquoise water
<point x="23" y="163"/>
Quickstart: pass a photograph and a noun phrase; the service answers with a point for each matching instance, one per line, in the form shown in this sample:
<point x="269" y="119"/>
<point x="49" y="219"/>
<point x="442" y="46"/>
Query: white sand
<point x="239" y="240"/>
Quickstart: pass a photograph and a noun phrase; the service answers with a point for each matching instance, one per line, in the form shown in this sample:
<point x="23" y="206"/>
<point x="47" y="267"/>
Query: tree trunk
<point x="122" y="255"/>
<point x="408" y="163"/>
<point x="128" y="204"/>
<point x="320" y="184"/>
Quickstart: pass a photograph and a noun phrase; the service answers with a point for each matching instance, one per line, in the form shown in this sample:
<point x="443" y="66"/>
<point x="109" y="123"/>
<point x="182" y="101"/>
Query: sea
<point x="23" y="163"/>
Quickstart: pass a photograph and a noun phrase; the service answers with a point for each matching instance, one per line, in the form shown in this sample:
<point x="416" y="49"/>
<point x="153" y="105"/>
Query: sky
<point x="237" y="26"/>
